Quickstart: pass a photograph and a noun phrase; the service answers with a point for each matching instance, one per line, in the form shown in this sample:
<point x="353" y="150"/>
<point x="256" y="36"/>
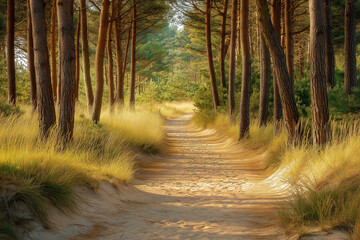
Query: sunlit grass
<point x="169" y="109"/>
<point x="42" y="173"/>
<point x="325" y="180"/>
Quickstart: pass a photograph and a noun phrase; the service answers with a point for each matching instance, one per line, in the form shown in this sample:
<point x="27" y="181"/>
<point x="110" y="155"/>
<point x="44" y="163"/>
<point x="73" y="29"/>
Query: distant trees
<point x="329" y="44"/>
<point x="133" y="57"/>
<point x="30" y="51"/>
<point x="350" y="78"/>
<point x="232" y="63"/>
<point x="276" y="21"/>
<point x="10" y="40"/>
<point x="85" y="56"/>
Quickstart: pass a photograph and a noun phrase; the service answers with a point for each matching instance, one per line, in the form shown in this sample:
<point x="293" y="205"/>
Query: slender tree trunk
<point x="30" y="55"/>
<point x="77" y="59"/>
<point x="222" y="43"/>
<point x="126" y="53"/>
<point x="264" y="82"/>
<point x="246" y="70"/>
<point x="99" y="61"/>
<point x="133" y="58"/>
<point x="232" y="63"/>
<point x="10" y="41"/>
<point x="119" y="63"/>
<point x="319" y="100"/>
<point x="289" y="42"/>
<point x="210" y="55"/>
<point x="85" y="56"/>
<point x="291" y="114"/>
<point x="330" y="57"/>
<point x="276" y="20"/>
<point x="67" y="62"/>
<point x="350" y="77"/>
<point x="45" y="100"/>
<point x="110" y="61"/>
<point x="53" y="49"/>
<point x="57" y="102"/>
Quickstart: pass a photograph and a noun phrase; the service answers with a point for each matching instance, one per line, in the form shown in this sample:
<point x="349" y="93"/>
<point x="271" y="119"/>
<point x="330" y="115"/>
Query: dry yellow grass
<point x="40" y="173"/>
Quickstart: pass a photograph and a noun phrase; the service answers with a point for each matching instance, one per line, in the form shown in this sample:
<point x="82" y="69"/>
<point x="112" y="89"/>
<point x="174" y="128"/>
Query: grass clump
<point x="327" y="180"/>
<point x="260" y="138"/>
<point x="39" y="174"/>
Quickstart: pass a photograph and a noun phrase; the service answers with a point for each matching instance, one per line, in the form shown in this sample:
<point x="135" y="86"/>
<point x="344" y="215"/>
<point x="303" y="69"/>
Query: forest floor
<point x="203" y="186"/>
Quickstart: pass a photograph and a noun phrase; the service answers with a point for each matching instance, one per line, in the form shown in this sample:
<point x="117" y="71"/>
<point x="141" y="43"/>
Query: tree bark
<point x="329" y="45"/>
<point x="319" y="101"/>
<point x="133" y="58"/>
<point x="45" y="100"/>
<point x="215" y="94"/>
<point x="264" y="82"/>
<point x="99" y="61"/>
<point x="222" y="43"/>
<point x="350" y="77"/>
<point x="246" y="70"/>
<point x="232" y="63"/>
<point x="110" y="61"/>
<point x="291" y="114"/>
<point x="10" y="41"/>
<point x="85" y="56"/>
<point x="77" y="59"/>
<point x="119" y="61"/>
<point x="276" y="21"/>
<point x="126" y="53"/>
<point x="289" y="42"/>
<point x="54" y="76"/>
<point x="30" y="57"/>
<point x="67" y="62"/>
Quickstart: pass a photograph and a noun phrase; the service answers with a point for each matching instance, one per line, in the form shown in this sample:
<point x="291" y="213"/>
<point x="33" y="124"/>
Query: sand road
<point x="197" y="189"/>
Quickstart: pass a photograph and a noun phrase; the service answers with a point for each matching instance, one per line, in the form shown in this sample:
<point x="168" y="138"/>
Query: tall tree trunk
<point x="222" y="43"/>
<point x="264" y="82"/>
<point x="289" y="42"/>
<point x="99" y="61"/>
<point x="246" y="70"/>
<point x="119" y="63"/>
<point x="126" y="53"/>
<point x="319" y="100"/>
<point x="10" y="38"/>
<point x="276" y="21"/>
<point x="30" y="57"/>
<point x="133" y="58"/>
<point x="210" y="55"/>
<point x="232" y="63"/>
<point x="77" y="59"/>
<point x="110" y="61"/>
<point x="330" y="57"/>
<point x="45" y="100"/>
<point x="350" y="77"/>
<point x="53" y="49"/>
<point x="67" y="62"/>
<point x="291" y="114"/>
<point x="85" y="56"/>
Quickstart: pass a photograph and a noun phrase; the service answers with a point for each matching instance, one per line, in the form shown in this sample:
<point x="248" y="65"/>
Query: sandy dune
<point x="198" y="189"/>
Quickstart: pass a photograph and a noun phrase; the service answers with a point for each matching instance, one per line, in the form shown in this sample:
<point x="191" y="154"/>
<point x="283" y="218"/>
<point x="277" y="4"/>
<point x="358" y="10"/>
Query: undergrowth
<point x="325" y="180"/>
<point x="39" y="174"/>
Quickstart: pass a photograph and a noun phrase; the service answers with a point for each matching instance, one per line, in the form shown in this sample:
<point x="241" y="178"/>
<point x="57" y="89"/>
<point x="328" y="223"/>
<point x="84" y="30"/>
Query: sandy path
<point x="193" y="191"/>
